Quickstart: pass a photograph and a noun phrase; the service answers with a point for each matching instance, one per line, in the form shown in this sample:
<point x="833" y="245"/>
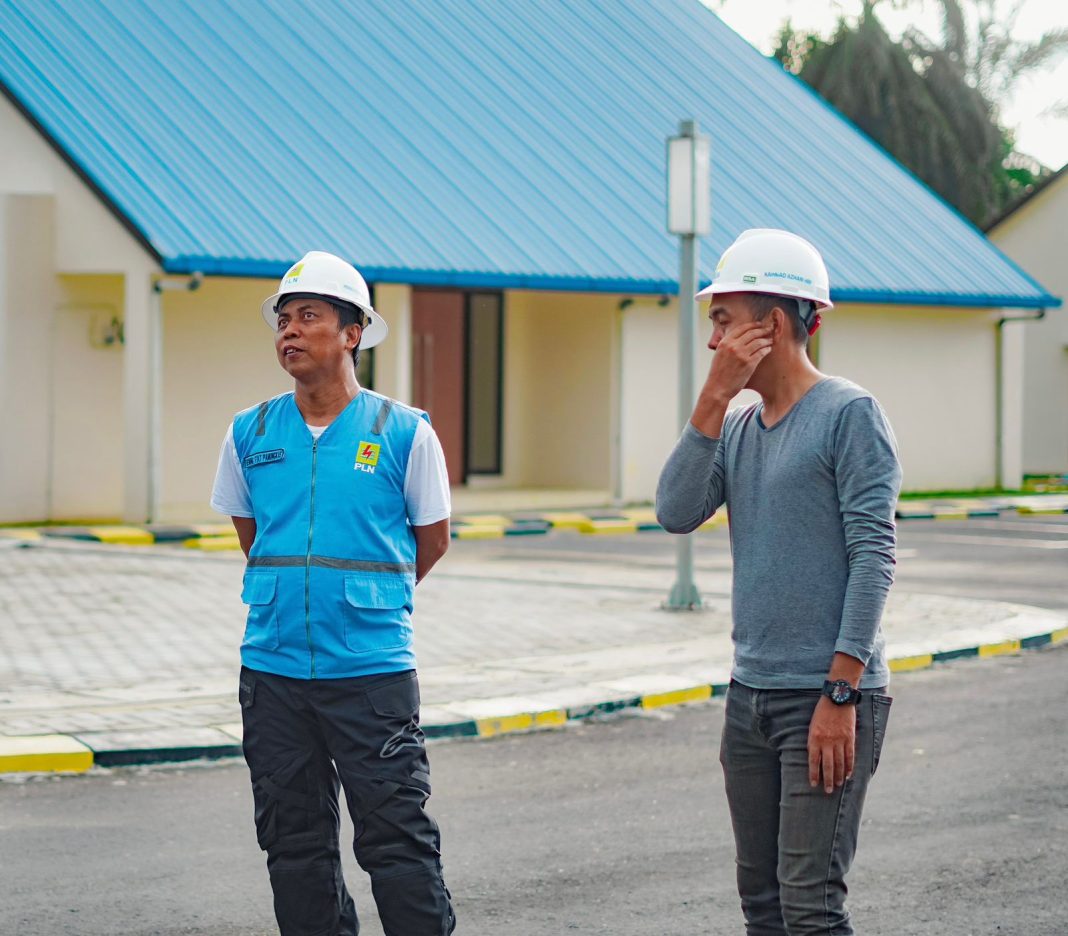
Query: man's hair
<point x="761" y="305"/>
<point x="348" y="314"/>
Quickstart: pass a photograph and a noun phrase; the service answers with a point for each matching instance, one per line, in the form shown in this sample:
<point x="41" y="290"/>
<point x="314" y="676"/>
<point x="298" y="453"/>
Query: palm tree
<point x="980" y="46"/>
<point x="930" y="105"/>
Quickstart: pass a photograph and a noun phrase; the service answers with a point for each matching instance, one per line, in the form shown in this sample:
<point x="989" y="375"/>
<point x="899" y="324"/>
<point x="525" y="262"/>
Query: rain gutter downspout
<point x="155" y="385"/>
<point x="999" y="432"/>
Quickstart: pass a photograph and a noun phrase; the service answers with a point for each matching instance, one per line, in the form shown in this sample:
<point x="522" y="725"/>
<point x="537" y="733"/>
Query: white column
<point x="142" y="361"/>
<point x="1011" y="399"/>
<point x="27" y="308"/>
<point x="393" y="358"/>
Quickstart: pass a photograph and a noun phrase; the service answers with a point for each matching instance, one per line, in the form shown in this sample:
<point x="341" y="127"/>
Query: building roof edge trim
<point x="478" y="279"/>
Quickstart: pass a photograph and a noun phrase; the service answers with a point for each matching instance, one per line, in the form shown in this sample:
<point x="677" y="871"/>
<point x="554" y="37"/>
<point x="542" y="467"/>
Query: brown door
<point x="438" y="369"/>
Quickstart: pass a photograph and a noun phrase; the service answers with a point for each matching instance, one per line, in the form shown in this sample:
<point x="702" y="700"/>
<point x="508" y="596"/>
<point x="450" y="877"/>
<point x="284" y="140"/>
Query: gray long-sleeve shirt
<point x="811" y="508"/>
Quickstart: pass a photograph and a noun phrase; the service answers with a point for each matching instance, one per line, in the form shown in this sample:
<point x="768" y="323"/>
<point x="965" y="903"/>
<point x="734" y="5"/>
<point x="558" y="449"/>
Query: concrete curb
<point x="79" y="753"/>
<point x="214" y="537"/>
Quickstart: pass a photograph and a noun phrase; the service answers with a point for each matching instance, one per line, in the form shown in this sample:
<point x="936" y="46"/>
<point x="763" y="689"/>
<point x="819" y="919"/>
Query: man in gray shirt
<point x="810" y="477"/>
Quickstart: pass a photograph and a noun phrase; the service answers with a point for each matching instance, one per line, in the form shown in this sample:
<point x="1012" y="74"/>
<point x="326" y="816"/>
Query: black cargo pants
<point x="301" y="737"/>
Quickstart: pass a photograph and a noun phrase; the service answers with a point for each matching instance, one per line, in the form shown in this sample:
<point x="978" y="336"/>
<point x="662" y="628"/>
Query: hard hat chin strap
<point x="811" y="318"/>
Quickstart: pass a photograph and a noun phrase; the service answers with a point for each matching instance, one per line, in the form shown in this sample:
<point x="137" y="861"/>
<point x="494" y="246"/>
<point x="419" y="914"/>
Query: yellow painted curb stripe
<point x="949" y="514"/>
<point x="123" y="536"/>
<point x="488" y="727"/>
<point x="566" y="520"/>
<point x="213" y="529"/>
<point x="27" y="535"/>
<point x="484" y="520"/>
<point x="478" y="532"/>
<point x="1058" y="635"/>
<point x="213" y="543"/>
<point x="43" y="753"/>
<point x="999" y="649"/>
<point x="643" y="515"/>
<point x="609" y="526"/>
<point x="908" y="664"/>
<point x="677" y="697"/>
<point x="1041" y="511"/>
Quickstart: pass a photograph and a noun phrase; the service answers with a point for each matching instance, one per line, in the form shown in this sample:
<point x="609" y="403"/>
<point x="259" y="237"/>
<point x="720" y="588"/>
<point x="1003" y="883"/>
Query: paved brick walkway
<point x="115" y="642"/>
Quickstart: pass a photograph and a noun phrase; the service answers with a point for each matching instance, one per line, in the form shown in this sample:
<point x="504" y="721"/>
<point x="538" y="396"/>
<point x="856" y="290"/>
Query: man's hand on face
<point x="831" y="744"/>
<point x="743" y="347"/>
<point x="737" y="355"/>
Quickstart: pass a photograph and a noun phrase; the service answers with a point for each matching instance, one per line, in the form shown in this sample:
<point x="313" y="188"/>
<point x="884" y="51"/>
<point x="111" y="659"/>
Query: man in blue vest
<point x="340" y="499"/>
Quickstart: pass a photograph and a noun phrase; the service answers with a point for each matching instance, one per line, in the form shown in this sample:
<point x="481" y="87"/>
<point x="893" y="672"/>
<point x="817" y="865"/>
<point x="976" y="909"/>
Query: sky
<point x="1040" y="135"/>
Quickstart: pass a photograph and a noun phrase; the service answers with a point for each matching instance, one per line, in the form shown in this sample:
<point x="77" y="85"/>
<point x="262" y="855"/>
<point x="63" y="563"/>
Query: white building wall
<point x="86" y="414"/>
<point x="41" y="258"/>
<point x="393" y="358"/>
<point x="559" y="403"/>
<point x="934" y="372"/>
<point x="27" y="296"/>
<point x="648" y="393"/>
<point x="88" y="238"/>
<point x="1033" y="236"/>
<point x="218" y="359"/>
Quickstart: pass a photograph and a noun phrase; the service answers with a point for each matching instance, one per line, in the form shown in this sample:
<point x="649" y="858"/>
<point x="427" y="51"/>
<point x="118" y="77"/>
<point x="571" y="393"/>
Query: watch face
<point x="841" y="692"/>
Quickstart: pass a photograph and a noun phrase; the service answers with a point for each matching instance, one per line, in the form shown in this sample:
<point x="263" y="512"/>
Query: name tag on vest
<point x="265" y="458"/>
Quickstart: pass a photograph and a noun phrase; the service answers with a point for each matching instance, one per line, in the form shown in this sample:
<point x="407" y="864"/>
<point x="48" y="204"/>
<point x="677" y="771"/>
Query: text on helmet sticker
<point x="796" y="277"/>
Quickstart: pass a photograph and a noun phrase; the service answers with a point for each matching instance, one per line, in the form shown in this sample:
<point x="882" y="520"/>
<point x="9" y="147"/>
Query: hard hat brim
<point x="721" y="288"/>
<point x="374" y="334"/>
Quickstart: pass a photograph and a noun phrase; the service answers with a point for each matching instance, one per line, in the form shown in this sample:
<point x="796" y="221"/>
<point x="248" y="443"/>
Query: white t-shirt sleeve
<point x="426" y="483"/>
<point x="230" y="494"/>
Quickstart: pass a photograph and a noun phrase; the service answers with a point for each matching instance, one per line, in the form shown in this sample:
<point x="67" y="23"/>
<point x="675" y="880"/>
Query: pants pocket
<point x="398" y="698"/>
<point x="880" y="716"/>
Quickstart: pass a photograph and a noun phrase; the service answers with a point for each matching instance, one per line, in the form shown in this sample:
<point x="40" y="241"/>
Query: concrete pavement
<point x="115" y="655"/>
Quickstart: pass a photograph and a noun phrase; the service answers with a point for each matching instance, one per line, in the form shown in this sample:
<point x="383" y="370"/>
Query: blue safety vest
<point x="331" y="572"/>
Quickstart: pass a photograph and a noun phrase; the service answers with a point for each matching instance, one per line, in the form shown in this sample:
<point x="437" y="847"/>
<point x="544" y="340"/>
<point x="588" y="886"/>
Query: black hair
<point x="348" y="314"/>
<point x="761" y="305"/>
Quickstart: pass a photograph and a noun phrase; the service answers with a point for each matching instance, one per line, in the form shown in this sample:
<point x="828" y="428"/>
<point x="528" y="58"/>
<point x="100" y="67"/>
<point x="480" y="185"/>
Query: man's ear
<point x="778" y="323"/>
<point x="353" y="334"/>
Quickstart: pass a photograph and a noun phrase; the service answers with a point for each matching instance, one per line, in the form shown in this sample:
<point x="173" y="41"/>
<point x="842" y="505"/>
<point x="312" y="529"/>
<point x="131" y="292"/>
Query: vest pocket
<point x="258" y="592"/>
<point x="376" y="611"/>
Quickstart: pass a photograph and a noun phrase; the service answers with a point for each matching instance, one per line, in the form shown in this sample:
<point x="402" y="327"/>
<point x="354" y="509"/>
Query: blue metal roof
<point x="478" y="143"/>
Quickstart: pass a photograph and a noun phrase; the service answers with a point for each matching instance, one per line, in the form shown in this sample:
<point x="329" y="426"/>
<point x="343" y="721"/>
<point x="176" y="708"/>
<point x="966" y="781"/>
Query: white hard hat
<point x="322" y="274"/>
<point x="766" y="260"/>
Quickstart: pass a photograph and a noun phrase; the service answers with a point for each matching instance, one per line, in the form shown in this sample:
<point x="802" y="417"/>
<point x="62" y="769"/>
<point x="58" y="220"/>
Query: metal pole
<point x="684" y="594"/>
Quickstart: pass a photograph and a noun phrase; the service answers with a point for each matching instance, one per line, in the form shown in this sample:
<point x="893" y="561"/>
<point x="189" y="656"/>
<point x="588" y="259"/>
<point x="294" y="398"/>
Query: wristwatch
<point x="840" y="692"/>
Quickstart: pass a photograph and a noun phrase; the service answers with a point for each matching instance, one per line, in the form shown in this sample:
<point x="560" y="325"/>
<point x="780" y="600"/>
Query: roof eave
<point x="490" y="279"/>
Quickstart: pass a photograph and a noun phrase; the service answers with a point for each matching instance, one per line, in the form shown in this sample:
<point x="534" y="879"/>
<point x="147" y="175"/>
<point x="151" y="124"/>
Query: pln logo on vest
<point x="367" y="457"/>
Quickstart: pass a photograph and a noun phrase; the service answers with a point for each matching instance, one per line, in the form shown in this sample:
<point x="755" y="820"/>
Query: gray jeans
<point x="794" y="843"/>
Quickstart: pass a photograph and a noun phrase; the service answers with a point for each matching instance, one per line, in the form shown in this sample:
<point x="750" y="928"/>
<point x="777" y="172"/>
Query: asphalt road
<point x="616" y="827"/>
<point x="619" y="826"/>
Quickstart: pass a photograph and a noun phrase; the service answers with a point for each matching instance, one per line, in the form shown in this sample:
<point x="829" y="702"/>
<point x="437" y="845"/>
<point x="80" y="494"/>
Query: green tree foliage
<point x="932" y="105"/>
